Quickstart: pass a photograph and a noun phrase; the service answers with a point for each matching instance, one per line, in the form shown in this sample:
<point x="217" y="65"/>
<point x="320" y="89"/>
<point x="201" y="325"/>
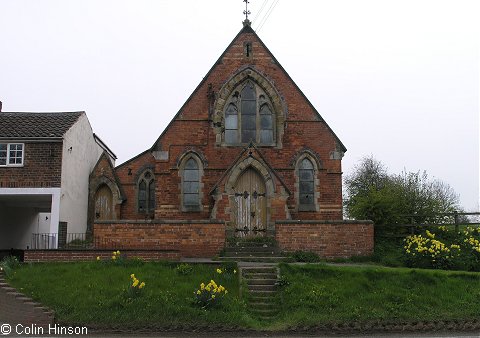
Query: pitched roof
<point x="248" y="29"/>
<point x="36" y="125"/>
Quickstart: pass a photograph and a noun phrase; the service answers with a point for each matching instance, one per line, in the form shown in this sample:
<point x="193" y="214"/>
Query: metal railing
<point x="65" y="241"/>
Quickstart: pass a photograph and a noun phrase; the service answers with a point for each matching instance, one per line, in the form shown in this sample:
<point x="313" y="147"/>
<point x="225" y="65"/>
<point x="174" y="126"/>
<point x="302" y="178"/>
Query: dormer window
<point x="249" y="116"/>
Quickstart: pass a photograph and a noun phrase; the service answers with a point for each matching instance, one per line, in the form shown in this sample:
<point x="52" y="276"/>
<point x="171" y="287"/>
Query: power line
<point x="270" y="10"/>
<point x="260" y="11"/>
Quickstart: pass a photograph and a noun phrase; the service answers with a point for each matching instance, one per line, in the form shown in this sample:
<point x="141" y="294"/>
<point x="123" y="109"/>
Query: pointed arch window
<point x="146" y="192"/>
<point x="191" y="185"/>
<point x="306" y="175"/>
<point x="249" y="116"/>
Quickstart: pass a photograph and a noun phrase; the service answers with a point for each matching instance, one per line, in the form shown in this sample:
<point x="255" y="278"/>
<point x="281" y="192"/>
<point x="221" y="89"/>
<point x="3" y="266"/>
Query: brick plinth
<point x="189" y="238"/>
<point x="328" y="239"/>
<point x="36" y="256"/>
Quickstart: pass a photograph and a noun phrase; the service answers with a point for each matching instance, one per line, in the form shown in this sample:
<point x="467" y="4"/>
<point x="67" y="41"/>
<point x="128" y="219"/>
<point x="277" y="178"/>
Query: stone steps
<point x="261" y="284"/>
<point x="259" y="259"/>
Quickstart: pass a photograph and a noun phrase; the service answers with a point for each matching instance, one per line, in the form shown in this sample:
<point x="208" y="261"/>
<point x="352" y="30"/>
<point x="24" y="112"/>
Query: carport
<point x="28" y="211"/>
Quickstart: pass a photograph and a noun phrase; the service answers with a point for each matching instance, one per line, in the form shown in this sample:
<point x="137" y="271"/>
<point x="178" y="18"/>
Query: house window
<point x="191" y="185"/>
<point x="249" y="117"/>
<point x="306" y="185"/>
<point x="146" y="192"/>
<point x="11" y="154"/>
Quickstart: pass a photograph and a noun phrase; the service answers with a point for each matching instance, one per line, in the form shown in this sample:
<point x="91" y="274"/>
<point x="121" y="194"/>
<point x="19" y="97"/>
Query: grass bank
<point x="93" y="294"/>
<point x="325" y="294"/>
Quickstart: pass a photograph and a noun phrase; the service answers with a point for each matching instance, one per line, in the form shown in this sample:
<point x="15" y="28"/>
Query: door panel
<point x="103" y="204"/>
<point x="250" y="209"/>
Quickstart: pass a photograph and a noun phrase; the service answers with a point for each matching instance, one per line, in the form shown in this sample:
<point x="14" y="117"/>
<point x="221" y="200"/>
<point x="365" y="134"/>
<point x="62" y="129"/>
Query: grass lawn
<point x="319" y="294"/>
<point x="93" y="293"/>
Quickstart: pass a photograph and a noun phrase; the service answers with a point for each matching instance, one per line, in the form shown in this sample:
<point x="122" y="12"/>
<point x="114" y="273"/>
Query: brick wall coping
<point x="298" y="221"/>
<point x="161" y="221"/>
<point x="101" y="250"/>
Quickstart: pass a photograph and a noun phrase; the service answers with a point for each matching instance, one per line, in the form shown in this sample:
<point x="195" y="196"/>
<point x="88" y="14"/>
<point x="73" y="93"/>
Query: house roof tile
<point x="36" y="125"/>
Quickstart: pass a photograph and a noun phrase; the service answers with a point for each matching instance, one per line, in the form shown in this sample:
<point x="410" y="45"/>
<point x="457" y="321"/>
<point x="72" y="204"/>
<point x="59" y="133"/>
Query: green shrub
<point x="443" y="248"/>
<point x="184" y="269"/>
<point x="305" y="256"/>
<point x="9" y="264"/>
<point x="209" y="295"/>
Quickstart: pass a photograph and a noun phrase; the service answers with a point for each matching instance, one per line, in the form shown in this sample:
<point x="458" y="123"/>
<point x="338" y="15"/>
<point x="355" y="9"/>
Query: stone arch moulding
<point x="270" y="187"/>
<point x="199" y="157"/>
<point x="311" y="155"/>
<point x="249" y="73"/>
<point x="201" y="163"/>
<point x="117" y="199"/>
<point x="317" y="166"/>
<point x="258" y="166"/>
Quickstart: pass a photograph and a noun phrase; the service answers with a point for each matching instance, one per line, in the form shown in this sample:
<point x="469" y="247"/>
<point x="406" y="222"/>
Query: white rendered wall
<point x="79" y="156"/>
<point x="19" y="222"/>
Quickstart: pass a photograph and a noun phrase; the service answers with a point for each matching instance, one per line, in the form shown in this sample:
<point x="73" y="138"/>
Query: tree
<point x="372" y="193"/>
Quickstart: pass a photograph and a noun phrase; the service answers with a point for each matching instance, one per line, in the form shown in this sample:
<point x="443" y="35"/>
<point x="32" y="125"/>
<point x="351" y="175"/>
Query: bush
<point x="209" y="295"/>
<point x="184" y="269"/>
<point x="8" y="264"/>
<point x="305" y="256"/>
<point x="444" y="248"/>
<point x="135" y="287"/>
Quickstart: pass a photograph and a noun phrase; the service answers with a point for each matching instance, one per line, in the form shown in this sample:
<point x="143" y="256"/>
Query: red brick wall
<point x="192" y="130"/>
<point x="329" y="239"/>
<point x="42" y="167"/>
<point x="35" y="256"/>
<point x="129" y="183"/>
<point x="191" y="239"/>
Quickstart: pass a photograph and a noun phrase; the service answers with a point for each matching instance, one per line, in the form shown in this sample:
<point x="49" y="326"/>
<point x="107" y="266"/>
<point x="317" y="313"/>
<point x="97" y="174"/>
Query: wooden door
<point x="103" y="204"/>
<point x="250" y="209"/>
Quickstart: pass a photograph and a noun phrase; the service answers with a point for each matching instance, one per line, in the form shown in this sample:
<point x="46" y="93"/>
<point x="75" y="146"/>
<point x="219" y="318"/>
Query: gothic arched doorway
<point x="250" y="205"/>
<point x="103" y="203"/>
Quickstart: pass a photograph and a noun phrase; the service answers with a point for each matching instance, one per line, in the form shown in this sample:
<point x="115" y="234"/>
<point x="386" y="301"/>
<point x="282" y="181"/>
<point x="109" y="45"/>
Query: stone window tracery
<point x="249" y="116"/>
<point x="146" y="192"/>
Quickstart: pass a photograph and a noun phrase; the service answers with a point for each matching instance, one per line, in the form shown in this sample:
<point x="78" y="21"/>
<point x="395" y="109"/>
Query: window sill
<point x="306" y="208"/>
<point x="193" y="208"/>
<point x="11" y="165"/>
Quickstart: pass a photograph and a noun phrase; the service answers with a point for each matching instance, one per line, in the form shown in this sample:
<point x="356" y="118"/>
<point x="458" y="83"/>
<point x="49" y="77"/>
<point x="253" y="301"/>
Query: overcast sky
<point x="398" y="80"/>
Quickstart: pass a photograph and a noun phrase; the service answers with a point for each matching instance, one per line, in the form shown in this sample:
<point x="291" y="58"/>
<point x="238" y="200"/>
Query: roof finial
<point x="246" y="22"/>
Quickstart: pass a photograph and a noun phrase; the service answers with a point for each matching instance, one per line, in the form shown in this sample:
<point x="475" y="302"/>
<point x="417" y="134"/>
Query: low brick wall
<point x="190" y="238"/>
<point x="35" y="256"/>
<point x="329" y="239"/>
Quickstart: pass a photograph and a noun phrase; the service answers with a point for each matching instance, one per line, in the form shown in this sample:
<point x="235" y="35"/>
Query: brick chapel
<point x="245" y="156"/>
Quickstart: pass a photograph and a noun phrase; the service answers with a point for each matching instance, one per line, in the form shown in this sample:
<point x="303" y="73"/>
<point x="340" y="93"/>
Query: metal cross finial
<point x="246" y="11"/>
